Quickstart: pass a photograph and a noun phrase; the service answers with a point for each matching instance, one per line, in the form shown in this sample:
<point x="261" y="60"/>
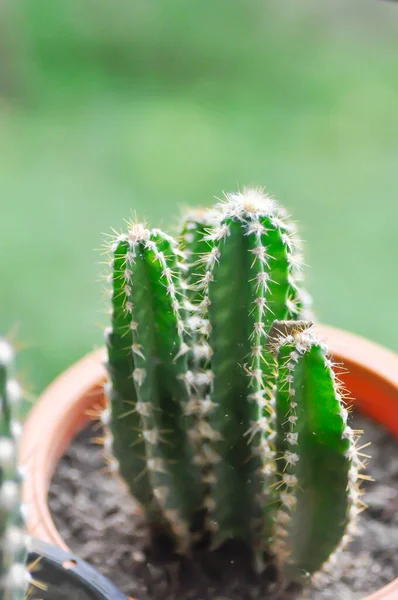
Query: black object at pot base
<point x="66" y="577"/>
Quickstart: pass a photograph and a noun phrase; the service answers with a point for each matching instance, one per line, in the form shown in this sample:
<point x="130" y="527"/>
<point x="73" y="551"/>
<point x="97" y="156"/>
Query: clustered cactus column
<point x="14" y="576"/>
<point x="225" y="416"/>
<point x="148" y="366"/>
<point x="318" y="493"/>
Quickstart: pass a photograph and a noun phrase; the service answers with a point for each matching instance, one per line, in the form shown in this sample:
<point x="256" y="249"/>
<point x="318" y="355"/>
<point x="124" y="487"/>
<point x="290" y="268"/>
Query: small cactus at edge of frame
<point x="15" y="578"/>
<point x="226" y="418"/>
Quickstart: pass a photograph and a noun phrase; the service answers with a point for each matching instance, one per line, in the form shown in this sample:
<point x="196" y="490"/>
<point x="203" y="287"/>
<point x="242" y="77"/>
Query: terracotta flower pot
<point x="62" y="411"/>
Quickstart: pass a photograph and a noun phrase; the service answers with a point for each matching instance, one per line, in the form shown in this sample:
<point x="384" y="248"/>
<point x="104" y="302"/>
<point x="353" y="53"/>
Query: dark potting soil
<point x="100" y="523"/>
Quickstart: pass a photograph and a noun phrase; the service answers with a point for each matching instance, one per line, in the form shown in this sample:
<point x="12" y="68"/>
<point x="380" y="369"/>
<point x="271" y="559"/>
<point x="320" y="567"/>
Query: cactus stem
<point x="158" y="332"/>
<point x="299" y="350"/>
<point x="14" y="576"/>
<point x="248" y="209"/>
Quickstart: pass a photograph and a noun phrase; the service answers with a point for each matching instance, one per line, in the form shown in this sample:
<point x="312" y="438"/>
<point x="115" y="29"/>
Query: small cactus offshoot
<point x="225" y="416"/>
<point x="14" y="575"/>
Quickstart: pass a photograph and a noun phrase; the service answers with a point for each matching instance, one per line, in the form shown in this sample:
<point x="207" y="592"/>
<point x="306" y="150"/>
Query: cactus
<point x="224" y="409"/>
<point x="14" y="576"/>
<point x="146" y="344"/>
<point x="317" y="481"/>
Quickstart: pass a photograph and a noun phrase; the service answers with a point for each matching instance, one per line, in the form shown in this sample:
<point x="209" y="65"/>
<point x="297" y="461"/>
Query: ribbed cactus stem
<point x="14" y="576"/>
<point x="299" y="301"/>
<point x="317" y="481"/>
<point x="247" y="283"/>
<point x="196" y="244"/>
<point x="199" y="250"/>
<point x="152" y="295"/>
<point x="124" y="417"/>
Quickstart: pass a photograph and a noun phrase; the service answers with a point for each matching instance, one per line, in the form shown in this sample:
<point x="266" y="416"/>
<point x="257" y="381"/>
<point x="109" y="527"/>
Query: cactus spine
<point x="222" y="400"/>
<point x="14" y="577"/>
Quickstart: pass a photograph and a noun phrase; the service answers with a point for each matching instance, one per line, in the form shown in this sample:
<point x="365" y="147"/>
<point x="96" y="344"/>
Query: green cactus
<point x="147" y="346"/>
<point x="222" y="401"/>
<point x="14" y="576"/>
<point x="317" y="481"/>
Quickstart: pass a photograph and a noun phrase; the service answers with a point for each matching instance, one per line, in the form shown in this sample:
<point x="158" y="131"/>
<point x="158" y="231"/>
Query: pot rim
<point x="63" y="408"/>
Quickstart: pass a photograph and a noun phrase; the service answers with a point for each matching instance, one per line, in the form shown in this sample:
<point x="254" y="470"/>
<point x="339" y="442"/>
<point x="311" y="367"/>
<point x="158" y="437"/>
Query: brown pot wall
<point x="63" y="410"/>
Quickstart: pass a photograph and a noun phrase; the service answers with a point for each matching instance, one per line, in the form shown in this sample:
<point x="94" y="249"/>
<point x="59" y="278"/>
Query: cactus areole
<point x="226" y="418"/>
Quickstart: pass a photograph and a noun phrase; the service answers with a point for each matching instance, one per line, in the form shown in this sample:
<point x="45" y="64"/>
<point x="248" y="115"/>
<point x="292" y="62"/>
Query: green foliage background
<point x="109" y="108"/>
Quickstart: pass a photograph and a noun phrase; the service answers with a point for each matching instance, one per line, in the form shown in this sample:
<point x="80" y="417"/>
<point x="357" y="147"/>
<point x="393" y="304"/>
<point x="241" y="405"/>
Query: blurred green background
<point x="112" y="107"/>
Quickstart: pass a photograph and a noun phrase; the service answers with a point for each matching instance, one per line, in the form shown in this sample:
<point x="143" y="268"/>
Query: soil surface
<point x="100" y="523"/>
